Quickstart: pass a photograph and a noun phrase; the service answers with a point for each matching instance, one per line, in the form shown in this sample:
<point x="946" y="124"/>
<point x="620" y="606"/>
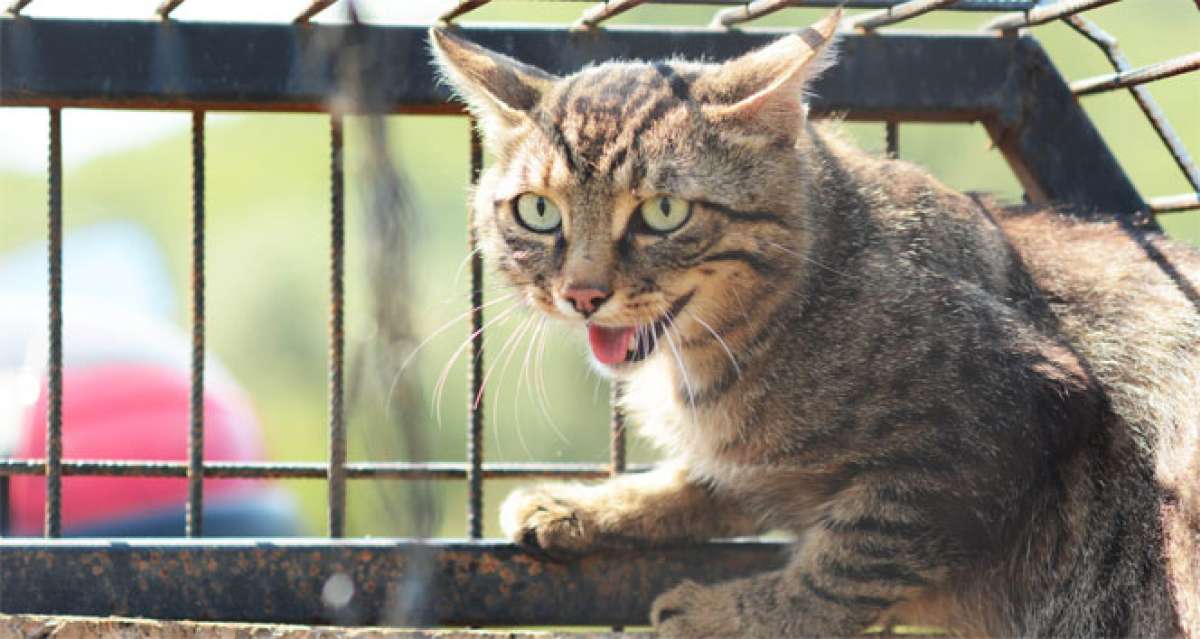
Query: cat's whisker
<point x="733" y="360"/>
<point x="522" y="377"/>
<point x="440" y="386"/>
<point x="806" y="258"/>
<point x="687" y="384"/>
<point x="463" y="264"/>
<point x="544" y="396"/>
<point x="510" y="346"/>
<point x="425" y="342"/>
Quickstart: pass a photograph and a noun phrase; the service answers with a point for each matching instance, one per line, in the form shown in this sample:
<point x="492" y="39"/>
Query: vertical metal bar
<point x="195" y="504"/>
<point x="4" y="505"/>
<point x="53" y="523"/>
<point x="475" y="359"/>
<point x="616" y="452"/>
<point x="337" y="425"/>
<point x="893" y="139"/>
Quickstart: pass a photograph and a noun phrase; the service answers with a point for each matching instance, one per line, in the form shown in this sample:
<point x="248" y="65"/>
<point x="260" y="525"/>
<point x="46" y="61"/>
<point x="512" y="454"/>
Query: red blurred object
<point x="130" y="411"/>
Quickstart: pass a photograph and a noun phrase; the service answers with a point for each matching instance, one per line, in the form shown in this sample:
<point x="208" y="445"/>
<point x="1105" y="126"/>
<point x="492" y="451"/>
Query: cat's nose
<point x="587" y="298"/>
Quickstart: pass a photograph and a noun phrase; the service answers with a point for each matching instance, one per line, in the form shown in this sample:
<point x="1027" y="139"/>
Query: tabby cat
<point x="972" y="418"/>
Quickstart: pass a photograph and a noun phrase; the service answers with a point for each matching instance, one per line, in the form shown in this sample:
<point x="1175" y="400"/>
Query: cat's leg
<point x="836" y="584"/>
<point x="635" y="510"/>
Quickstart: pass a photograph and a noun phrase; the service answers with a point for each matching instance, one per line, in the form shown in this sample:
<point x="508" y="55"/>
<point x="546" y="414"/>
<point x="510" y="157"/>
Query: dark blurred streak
<point x="393" y="415"/>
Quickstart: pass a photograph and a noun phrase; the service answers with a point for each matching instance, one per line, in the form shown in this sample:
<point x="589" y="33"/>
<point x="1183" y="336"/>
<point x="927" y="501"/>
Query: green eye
<point x="663" y="214"/>
<point x="537" y="213"/>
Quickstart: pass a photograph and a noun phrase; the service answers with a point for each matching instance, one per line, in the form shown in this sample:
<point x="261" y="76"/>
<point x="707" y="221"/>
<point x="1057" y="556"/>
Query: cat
<point x="980" y="419"/>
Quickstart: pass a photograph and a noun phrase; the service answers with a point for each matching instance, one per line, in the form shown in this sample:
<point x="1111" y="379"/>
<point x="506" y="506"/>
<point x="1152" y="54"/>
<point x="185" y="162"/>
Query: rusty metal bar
<point x="593" y="16"/>
<point x="475" y="372"/>
<point x="15" y="8"/>
<point x="54" y="387"/>
<point x="459" y="9"/>
<point x="899" y="13"/>
<point x="1175" y="203"/>
<point x="311" y="470"/>
<point x="747" y="12"/>
<point x="314" y="7"/>
<point x="1044" y="14"/>
<point x="617" y="445"/>
<point x="892" y="138"/>
<point x="195" y="500"/>
<point x="281" y="580"/>
<point x="1141" y="75"/>
<point x="337" y="339"/>
<point x="164" y="10"/>
<point x="1141" y="95"/>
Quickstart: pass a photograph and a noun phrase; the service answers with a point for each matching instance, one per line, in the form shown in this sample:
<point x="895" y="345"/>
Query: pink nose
<point x="586" y="299"/>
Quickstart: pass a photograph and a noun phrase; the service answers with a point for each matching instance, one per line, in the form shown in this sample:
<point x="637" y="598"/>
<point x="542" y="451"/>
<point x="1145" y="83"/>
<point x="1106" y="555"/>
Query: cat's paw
<point x="545" y="522"/>
<point x="692" y="610"/>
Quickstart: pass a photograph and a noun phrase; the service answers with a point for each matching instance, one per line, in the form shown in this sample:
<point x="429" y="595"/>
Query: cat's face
<point x="647" y="202"/>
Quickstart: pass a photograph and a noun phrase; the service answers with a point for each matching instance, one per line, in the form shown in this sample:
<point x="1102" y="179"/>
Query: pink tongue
<point x="609" y="345"/>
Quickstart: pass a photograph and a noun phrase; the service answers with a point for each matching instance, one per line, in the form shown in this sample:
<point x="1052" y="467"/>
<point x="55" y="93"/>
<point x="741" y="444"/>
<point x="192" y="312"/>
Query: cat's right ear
<point x="498" y="90"/>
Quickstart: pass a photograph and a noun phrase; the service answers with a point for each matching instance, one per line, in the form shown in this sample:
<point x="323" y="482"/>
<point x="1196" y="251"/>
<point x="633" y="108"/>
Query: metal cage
<point x="999" y="76"/>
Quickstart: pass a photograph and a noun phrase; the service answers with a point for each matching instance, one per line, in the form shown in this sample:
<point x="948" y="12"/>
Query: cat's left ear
<point x="765" y="89"/>
<point x="498" y="90"/>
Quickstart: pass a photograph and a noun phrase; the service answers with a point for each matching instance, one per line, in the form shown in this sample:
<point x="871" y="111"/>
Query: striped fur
<point x="973" y="418"/>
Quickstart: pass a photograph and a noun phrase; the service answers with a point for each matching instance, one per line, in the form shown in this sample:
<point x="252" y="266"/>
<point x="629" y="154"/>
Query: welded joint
<point x="15" y="8"/>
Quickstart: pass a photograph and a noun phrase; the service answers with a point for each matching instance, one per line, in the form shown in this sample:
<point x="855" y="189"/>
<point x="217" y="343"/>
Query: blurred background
<point x="127" y="202"/>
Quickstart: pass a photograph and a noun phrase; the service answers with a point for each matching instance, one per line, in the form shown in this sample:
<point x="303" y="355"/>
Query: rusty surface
<point x="54" y="441"/>
<point x="288" y="581"/>
<point x="1141" y="75"/>
<point x="597" y="13"/>
<point x="899" y="13"/>
<point x="164" y="10"/>
<point x="314" y="7"/>
<point x="461" y="8"/>
<point x="312" y="470"/>
<point x="195" y="472"/>
<point x="337" y="336"/>
<point x="1045" y="13"/>
<point x="64" y="626"/>
<point x="475" y="374"/>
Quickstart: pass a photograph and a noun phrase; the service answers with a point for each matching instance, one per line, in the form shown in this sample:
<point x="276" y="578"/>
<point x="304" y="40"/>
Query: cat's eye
<point x="537" y="213"/>
<point x="663" y="213"/>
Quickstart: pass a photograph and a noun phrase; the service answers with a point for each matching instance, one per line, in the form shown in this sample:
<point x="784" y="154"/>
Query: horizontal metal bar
<point x="899" y="13"/>
<point x="1141" y="75"/>
<point x="285" y="67"/>
<point x="1175" y="203"/>
<point x="1010" y="83"/>
<point x="1045" y="13"/>
<point x="308" y="470"/>
<point x="284" y="580"/>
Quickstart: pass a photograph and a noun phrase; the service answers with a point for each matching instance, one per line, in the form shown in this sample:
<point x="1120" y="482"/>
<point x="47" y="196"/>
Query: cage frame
<point x="1010" y="86"/>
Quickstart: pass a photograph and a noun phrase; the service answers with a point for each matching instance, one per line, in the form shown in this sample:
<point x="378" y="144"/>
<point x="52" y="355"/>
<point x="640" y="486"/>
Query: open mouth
<point x="612" y="345"/>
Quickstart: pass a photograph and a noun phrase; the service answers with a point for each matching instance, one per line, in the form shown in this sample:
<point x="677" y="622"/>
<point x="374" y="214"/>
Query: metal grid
<point x="992" y="96"/>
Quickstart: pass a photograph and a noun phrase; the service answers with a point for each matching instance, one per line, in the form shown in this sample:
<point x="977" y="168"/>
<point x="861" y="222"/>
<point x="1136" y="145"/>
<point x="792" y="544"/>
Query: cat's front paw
<point x="543" y="521"/>
<point x="693" y="610"/>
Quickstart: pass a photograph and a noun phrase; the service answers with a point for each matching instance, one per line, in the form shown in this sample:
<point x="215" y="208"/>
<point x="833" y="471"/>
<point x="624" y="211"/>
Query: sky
<point x="88" y="133"/>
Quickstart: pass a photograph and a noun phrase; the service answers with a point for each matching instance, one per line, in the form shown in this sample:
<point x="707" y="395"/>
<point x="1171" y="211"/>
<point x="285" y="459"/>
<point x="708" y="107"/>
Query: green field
<point x="268" y="197"/>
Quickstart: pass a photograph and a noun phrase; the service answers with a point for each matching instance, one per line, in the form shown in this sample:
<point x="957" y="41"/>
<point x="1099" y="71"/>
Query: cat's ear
<point x="766" y="87"/>
<point x="498" y="90"/>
